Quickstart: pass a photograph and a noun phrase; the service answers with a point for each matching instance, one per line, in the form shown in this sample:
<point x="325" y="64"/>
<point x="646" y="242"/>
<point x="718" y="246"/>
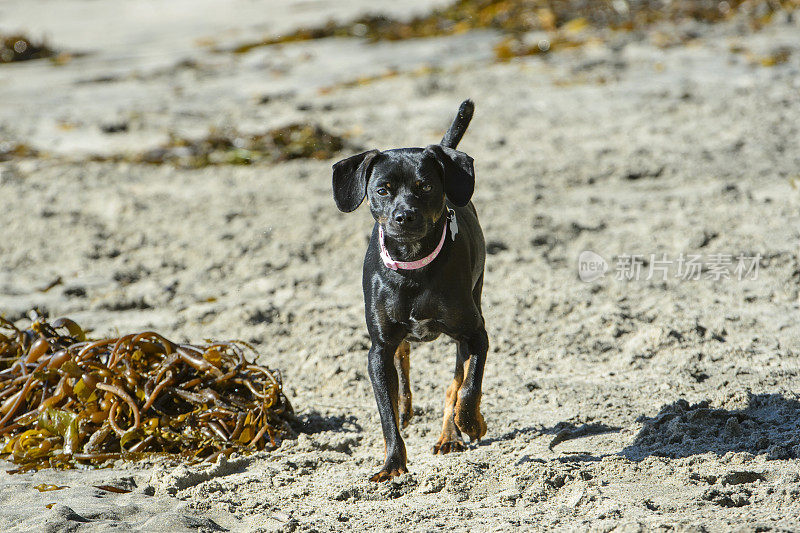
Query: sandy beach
<point x="641" y="400"/>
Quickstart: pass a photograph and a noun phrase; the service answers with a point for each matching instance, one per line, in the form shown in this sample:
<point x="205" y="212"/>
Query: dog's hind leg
<point x="450" y="440"/>
<point x="403" y="365"/>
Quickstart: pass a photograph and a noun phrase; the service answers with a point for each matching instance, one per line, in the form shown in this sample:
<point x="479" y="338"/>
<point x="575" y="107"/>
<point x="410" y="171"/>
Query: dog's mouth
<point x="404" y="235"/>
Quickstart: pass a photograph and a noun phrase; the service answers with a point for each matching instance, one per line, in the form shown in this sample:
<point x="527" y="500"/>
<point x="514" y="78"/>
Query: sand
<point x="670" y="404"/>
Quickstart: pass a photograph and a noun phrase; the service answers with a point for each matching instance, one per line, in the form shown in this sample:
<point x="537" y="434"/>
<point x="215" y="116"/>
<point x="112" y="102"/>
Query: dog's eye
<point x="382" y="191"/>
<point x="424" y="187"/>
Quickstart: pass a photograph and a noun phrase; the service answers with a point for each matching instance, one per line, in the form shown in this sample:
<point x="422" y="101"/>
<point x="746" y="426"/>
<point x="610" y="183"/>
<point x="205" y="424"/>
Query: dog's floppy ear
<point x="350" y="180"/>
<point x="459" y="174"/>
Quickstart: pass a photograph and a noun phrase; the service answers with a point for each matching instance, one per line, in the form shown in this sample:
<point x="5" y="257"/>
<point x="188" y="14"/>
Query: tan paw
<point x="447" y="447"/>
<point x="385" y="473"/>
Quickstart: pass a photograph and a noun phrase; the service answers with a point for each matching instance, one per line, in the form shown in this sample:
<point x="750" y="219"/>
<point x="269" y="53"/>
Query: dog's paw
<point x="387" y="473"/>
<point x="449" y="441"/>
<point x="446" y="446"/>
<point x="471" y="422"/>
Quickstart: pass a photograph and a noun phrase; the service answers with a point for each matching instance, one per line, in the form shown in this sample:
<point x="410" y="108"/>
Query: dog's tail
<point x="459" y="125"/>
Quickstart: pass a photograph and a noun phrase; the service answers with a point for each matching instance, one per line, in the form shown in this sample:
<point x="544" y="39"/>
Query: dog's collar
<point x="425" y="261"/>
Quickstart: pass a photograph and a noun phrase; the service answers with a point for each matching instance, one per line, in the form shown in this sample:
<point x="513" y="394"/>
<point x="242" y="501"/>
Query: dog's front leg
<point x="384" y="385"/>
<point x="468" y="416"/>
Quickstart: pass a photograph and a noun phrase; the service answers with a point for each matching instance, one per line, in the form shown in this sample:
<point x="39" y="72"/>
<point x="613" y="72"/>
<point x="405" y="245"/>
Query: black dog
<point x="423" y="276"/>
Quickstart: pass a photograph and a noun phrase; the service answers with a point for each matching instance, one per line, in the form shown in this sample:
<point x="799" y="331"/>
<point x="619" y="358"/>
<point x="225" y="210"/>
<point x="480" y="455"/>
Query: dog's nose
<point x="405" y="217"/>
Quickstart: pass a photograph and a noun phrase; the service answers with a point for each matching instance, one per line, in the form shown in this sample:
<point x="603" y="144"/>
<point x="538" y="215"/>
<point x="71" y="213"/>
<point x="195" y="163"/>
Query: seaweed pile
<point x="9" y="150"/>
<point x="20" y="48"/>
<point x="228" y="147"/>
<point x="67" y="401"/>
<point x="513" y="18"/>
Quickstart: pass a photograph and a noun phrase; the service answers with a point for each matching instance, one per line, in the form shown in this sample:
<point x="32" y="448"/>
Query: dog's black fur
<point x="409" y="191"/>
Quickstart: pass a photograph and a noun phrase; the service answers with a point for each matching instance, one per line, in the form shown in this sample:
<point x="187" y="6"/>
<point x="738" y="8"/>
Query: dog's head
<point x="406" y="188"/>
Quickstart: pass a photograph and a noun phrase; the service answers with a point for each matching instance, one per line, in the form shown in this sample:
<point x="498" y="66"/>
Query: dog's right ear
<point x="350" y="180"/>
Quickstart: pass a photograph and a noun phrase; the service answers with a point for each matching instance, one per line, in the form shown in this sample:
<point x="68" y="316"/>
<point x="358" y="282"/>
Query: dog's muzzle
<point x="428" y="259"/>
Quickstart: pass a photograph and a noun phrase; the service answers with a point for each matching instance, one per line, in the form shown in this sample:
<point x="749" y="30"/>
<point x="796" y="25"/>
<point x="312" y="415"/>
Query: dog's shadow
<point x="765" y="424"/>
<point x="561" y="432"/>
<point x="314" y="422"/>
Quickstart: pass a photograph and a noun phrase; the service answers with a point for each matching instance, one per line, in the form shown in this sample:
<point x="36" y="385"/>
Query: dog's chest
<point x="422" y="329"/>
<point x="419" y="313"/>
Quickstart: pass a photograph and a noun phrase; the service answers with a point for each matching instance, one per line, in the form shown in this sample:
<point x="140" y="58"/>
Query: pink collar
<point x="425" y="261"/>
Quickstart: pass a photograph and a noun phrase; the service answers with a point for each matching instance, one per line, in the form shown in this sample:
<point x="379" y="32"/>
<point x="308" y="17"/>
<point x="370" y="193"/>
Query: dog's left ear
<point x="459" y="174"/>
<point x="350" y="180"/>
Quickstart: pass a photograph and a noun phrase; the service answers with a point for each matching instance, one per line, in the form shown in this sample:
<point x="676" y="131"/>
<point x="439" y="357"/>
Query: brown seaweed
<point x="66" y="400"/>
<point x="15" y="48"/>
<point x="218" y="147"/>
<point x="514" y="18"/>
<point x="229" y="147"/>
<point x="9" y="151"/>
